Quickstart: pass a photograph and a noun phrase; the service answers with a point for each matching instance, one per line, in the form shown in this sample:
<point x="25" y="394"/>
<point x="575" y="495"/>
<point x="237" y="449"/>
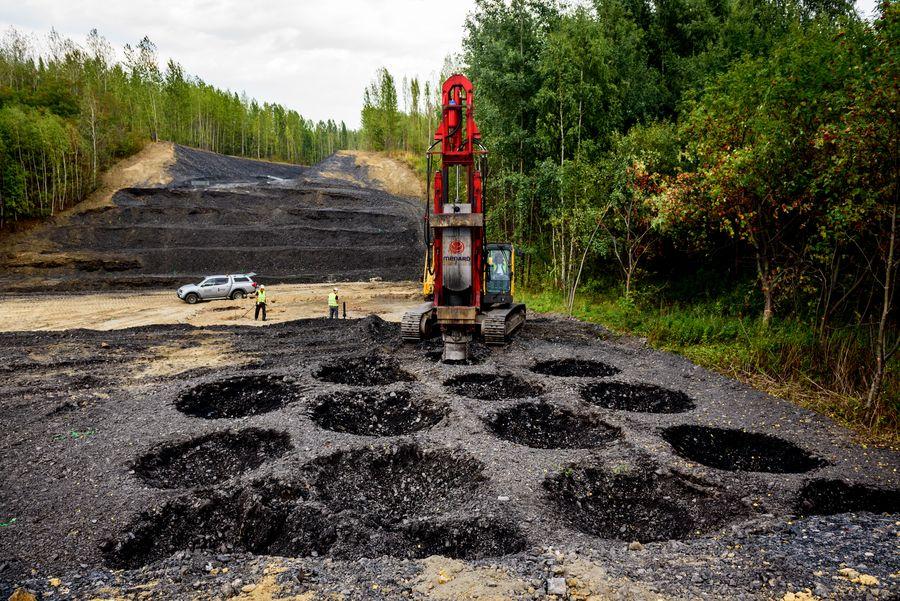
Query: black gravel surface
<point x="200" y="167"/>
<point x="103" y="472"/>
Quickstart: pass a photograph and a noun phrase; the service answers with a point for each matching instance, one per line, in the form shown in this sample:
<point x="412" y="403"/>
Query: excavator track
<point x="499" y="325"/>
<point x="417" y="323"/>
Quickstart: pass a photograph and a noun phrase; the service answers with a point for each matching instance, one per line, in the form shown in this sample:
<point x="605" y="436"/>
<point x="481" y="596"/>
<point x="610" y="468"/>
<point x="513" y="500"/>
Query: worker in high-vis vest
<point x="333" y="304"/>
<point x="260" y="303"/>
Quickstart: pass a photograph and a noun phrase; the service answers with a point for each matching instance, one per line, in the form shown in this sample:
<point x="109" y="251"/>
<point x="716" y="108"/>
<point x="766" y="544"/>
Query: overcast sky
<point x="312" y="56"/>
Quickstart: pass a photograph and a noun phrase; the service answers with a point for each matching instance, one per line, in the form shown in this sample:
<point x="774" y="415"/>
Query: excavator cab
<point x="499" y="276"/>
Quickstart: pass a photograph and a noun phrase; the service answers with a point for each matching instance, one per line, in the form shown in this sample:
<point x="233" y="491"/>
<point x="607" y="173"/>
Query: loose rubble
<point x="341" y="489"/>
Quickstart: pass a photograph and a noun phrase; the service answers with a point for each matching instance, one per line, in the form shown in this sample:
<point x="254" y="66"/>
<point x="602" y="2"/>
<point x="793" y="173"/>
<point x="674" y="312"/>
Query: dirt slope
<point x="147" y="168"/>
<point x="388" y="173"/>
<point x="220" y="214"/>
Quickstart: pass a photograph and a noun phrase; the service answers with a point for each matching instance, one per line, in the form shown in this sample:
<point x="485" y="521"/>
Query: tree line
<point x="717" y="143"/>
<point x="739" y="153"/>
<point x="69" y="112"/>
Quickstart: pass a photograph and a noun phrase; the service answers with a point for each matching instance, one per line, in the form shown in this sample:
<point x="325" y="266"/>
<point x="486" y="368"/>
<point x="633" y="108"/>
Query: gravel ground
<point x="110" y="491"/>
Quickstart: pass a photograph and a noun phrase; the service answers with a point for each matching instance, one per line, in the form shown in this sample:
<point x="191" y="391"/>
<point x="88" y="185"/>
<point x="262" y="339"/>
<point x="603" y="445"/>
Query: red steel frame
<point x="459" y="135"/>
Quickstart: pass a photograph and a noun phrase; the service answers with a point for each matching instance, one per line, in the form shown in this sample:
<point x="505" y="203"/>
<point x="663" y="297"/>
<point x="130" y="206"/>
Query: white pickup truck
<point x="217" y="287"/>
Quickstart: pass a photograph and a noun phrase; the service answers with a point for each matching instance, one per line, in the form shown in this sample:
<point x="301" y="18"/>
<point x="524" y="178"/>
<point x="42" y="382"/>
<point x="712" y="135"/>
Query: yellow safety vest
<point x="332" y="300"/>
<point x="260" y="297"/>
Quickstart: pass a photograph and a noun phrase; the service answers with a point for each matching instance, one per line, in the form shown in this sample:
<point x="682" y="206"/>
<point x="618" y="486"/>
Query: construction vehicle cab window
<point x="470" y="282"/>
<point x="498" y="271"/>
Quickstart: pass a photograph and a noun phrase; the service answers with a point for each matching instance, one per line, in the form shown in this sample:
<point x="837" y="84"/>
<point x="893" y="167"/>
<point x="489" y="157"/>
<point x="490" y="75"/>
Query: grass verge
<point x="785" y="359"/>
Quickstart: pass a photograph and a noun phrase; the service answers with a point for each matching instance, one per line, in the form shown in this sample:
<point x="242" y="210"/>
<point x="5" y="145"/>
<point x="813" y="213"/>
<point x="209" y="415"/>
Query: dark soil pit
<point x="631" y="503"/>
<point x="828" y="497"/>
<point x="734" y="450"/>
<point x="270" y="518"/>
<point x="402" y="501"/>
<point x="371" y="370"/>
<point x="490" y="387"/>
<point x="465" y="538"/>
<point x="212" y="458"/>
<point x="240" y="396"/>
<point x="390" y="484"/>
<point x="640" y="398"/>
<point x="376" y="413"/>
<point x="546" y="426"/>
<point x="408" y="501"/>
<point x="575" y="368"/>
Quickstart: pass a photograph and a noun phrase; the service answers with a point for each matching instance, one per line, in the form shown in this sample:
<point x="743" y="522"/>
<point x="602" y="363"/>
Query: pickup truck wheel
<point x="238" y="294"/>
<point x="191" y="298"/>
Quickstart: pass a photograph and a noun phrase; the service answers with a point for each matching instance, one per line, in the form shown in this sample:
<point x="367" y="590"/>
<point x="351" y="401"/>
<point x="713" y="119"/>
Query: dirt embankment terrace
<point x="174" y="212"/>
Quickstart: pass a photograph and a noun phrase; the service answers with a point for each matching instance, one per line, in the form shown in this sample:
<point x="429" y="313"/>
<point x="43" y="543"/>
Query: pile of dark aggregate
<point x="223" y="214"/>
<point x="210" y="459"/>
<point x="492" y="387"/>
<point x="369" y="370"/>
<point x="384" y="413"/>
<point x="338" y="490"/>
<point x="574" y="368"/>
<point x="192" y="164"/>
<point x="546" y="426"/>
<point x="237" y="396"/>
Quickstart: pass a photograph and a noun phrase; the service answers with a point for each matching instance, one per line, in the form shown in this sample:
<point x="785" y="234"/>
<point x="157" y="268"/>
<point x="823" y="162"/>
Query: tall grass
<point x="828" y="374"/>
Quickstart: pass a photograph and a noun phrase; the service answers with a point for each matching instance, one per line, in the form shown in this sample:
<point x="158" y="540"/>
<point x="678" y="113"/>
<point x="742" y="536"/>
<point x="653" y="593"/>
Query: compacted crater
<point x="394" y="483"/>
<point x="634" y="502"/>
<point x="402" y="501"/>
<point x="491" y="387"/>
<point x="640" y="398"/>
<point x="827" y="497"/>
<point x="212" y="458"/>
<point x="376" y="413"/>
<point x="735" y="450"/>
<point x="370" y="370"/>
<point x="547" y="426"/>
<point x="574" y="368"/>
<point x="408" y="501"/>
<point x="267" y="517"/>
<point x="240" y="396"/>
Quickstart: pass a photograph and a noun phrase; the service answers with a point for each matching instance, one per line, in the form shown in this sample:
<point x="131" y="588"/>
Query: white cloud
<point x="867" y="8"/>
<point x="315" y="57"/>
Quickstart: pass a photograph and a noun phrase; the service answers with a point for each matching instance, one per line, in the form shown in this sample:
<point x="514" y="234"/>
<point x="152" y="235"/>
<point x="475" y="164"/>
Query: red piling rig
<point x="466" y="299"/>
<point x="458" y="220"/>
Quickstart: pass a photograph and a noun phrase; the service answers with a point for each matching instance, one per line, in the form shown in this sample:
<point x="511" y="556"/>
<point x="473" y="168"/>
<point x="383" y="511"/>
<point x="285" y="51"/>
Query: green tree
<point x="750" y="137"/>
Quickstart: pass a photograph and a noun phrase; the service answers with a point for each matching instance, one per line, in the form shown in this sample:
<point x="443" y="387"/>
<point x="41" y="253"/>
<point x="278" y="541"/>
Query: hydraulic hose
<point x="429" y="257"/>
